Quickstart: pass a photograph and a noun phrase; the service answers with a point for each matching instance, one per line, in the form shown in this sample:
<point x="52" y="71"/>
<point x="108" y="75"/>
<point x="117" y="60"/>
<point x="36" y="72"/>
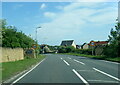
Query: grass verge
<point x="116" y="59"/>
<point x="10" y="69"/>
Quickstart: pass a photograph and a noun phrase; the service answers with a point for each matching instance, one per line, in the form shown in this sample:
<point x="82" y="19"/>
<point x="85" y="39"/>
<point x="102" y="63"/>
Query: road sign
<point x="92" y="43"/>
<point x="34" y="46"/>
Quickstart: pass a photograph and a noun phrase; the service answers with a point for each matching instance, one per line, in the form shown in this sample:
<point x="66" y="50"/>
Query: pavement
<point x="68" y="69"/>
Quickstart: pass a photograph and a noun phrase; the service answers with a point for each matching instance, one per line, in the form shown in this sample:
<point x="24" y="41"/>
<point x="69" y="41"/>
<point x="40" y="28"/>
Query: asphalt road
<point x="56" y="68"/>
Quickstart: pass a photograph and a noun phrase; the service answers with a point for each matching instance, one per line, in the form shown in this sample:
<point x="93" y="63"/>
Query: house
<point x="78" y="46"/>
<point x="98" y="46"/>
<point x="85" y="46"/>
<point x="98" y="43"/>
<point x="68" y="43"/>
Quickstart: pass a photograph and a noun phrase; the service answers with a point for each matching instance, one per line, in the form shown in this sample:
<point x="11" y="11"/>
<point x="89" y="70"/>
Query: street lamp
<point x="36" y="33"/>
<point x="36" y="40"/>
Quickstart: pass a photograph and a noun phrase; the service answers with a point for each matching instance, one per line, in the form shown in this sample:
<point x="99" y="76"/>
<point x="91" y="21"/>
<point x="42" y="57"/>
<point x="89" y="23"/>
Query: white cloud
<point x="75" y="18"/>
<point x="17" y="6"/>
<point x="43" y="6"/>
<point x="49" y="14"/>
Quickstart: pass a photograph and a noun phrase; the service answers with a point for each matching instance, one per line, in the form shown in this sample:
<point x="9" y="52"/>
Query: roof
<point x="67" y="42"/>
<point x="100" y="42"/>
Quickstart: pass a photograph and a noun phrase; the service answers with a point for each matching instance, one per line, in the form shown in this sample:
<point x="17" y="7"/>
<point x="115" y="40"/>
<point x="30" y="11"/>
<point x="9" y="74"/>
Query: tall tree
<point x="113" y="49"/>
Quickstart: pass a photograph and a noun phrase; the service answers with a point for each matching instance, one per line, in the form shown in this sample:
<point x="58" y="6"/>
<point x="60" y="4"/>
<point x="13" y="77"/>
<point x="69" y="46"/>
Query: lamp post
<point x="36" y="40"/>
<point x="36" y="33"/>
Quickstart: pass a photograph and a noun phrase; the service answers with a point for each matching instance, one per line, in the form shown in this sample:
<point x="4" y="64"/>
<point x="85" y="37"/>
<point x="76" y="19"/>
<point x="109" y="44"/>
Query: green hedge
<point x="84" y="51"/>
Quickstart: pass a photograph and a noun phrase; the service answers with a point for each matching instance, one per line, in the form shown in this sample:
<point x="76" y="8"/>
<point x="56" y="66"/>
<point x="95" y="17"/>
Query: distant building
<point x="98" y="46"/>
<point x="99" y="43"/>
<point x="68" y="43"/>
<point x="78" y="46"/>
<point x="85" y="46"/>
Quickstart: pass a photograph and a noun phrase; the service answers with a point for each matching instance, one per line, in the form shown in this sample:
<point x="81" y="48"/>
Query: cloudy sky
<point x="79" y="21"/>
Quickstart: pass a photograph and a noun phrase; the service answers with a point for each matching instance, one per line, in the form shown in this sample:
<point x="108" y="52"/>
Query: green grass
<point x="115" y="59"/>
<point x="10" y="69"/>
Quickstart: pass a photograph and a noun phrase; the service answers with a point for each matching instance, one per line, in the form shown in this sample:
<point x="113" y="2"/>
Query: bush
<point x="70" y="49"/>
<point x="66" y="49"/>
<point x="62" y="49"/>
<point x="84" y="51"/>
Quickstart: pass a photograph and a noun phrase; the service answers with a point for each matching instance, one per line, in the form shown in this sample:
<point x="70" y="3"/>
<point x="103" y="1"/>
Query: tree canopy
<point x="113" y="49"/>
<point x="12" y="38"/>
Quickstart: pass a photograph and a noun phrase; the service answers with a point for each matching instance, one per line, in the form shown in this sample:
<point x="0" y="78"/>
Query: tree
<point x="113" y="49"/>
<point x="12" y="38"/>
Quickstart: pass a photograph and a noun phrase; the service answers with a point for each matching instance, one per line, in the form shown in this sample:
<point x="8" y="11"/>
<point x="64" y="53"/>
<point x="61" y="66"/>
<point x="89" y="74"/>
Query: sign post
<point x="92" y="43"/>
<point x="35" y="46"/>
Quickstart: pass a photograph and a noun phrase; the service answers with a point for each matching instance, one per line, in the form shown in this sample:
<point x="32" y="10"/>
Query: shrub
<point x="66" y="49"/>
<point x="84" y="51"/>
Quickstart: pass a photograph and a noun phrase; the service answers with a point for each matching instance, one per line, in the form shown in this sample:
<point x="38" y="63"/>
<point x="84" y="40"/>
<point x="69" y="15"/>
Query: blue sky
<point x="82" y="22"/>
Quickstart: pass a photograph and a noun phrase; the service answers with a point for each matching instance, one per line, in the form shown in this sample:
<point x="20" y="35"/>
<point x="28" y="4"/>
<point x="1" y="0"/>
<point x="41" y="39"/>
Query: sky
<point x="79" y="21"/>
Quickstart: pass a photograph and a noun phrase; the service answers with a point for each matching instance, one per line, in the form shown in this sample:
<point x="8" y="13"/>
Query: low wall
<point x="9" y="54"/>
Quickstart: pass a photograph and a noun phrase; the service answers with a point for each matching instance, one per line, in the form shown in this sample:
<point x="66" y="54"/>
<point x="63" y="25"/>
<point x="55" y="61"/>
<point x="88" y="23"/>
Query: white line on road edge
<point x="79" y="62"/>
<point x="103" y="81"/>
<point x="84" y="81"/>
<point x="26" y="73"/>
<point x="110" y="62"/>
<point x="107" y="74"/>
<point x="66" y="62"/>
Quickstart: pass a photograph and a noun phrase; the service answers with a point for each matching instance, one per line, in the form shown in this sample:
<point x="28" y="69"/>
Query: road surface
<point x="56" y="68"/>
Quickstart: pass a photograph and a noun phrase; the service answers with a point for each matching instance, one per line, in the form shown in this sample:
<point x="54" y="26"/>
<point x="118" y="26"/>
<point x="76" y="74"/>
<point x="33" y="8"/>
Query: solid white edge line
<point x="84" y="81"/>
<point x="110" y="62"/>
<point x="107" y="74"/>
<point x="79" y="62"/>
<point x="66" y="62"/>
<point x="26" y="73"/>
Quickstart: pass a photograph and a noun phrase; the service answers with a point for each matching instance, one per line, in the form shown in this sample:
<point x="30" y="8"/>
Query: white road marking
<point x="106" y="74"/>
<point x="84" y="81"/>
<point x="26" y="73"/>
<point x="110" y="62"/>
<point x="103" y="81"/>
<point x="61" y="58"/>
<point x="66" y="62"/>
<point x="86" y="70"/>
<point x="69" y="57"/>
<point x="79" y="62"/>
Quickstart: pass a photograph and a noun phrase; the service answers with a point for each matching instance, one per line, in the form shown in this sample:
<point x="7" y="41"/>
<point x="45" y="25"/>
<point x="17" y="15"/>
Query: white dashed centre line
<point x="69" y="57"/>
<point x="84" y="81"/>
<point x="66" y="62"/>
<point x="79" y="62"/>
<point x="106" y="74"/>
<point x="61" y="58"/>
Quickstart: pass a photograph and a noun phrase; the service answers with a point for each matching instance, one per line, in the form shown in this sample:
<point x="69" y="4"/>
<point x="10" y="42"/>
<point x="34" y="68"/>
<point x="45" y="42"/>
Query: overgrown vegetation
<point x="66" y="49"/>
<point x="12" y="38"/>
<point x="10" y="69"/>
<point x="113" y="49"/>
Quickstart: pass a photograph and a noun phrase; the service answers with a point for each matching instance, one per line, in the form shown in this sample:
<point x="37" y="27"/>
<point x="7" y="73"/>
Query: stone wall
<point x="29" y="53"/>
<point x="9" y="54"/>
